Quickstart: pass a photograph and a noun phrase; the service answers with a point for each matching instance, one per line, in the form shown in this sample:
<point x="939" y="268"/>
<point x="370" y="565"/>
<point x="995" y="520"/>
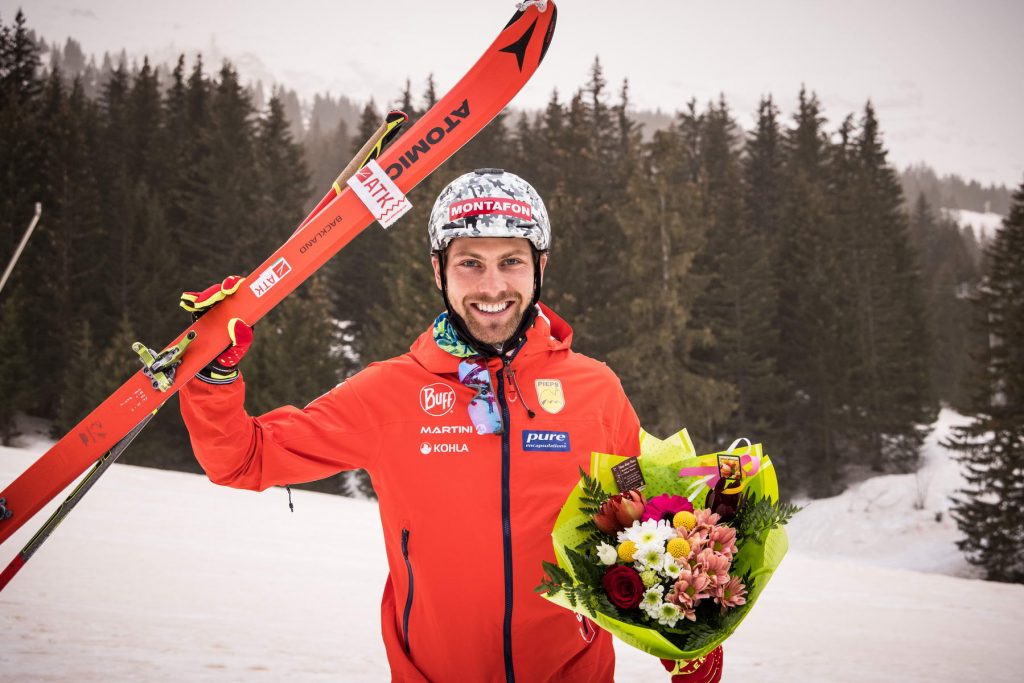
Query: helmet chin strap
<point x="462" y="329"/>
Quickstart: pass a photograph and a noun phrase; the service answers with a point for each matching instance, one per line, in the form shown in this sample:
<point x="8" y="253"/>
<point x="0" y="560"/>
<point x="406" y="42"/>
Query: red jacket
<point x="467" y="518"/>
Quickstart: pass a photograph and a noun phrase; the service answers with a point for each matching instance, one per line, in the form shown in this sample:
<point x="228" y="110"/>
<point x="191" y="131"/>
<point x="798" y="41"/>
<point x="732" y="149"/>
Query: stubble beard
<point x="497" y="331"/>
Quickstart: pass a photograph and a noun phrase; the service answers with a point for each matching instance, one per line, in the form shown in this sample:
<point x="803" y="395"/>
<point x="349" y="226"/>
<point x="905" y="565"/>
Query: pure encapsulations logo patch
<point x="437" y="399"/>
<point x="270" y="277"/>
<point x="483" y="206"/>
<point x="546" y="441"/>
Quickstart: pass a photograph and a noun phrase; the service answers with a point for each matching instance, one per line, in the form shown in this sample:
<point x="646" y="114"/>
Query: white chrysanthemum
<point x="649" y="557"/>
<point x="670" y="568"/>
<point x="651" y="602"/>
<point x="668" y="614"/>
<point x="607" y="553"/>
<point x="646" y="533"/>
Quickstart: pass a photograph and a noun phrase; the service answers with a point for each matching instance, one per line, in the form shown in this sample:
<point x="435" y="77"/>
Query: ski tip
<point x="521" y="7"/>
<point x="396" y="116"/>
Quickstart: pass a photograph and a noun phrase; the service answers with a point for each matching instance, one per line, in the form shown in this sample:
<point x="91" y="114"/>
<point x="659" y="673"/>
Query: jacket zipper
<point x="408" y="599"/>
<point x="506" y="524"/>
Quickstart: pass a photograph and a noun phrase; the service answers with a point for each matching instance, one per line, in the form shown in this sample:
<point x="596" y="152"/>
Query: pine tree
<point x="948" y="273"/>
<point x="739" y="303"/>
<point x="20" y="180"/>
<point x="660" y="209"/>
<point x="585" y="223"/>
<point x="811" y="290"/>
<point x="14" y="366"/>
<point x="20" y="65"/>
<point x="325" y="152"/>
<point x="74" y="402"/>
<point x="145" y="159"/>
<point x="990" y="510"/>
<point x="70" y="249"/>
<point x="120" y="233"/>
<point x="889" y="388"/>
<point x="763" y="176"/>
<point x="281" y="175"/>
<point x="227" y="171"/>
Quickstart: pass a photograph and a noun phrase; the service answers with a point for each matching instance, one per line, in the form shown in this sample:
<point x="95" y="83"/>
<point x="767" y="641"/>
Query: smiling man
<point x="472" y="441"/>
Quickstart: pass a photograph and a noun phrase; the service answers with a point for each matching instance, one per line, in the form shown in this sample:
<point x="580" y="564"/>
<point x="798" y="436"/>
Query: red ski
<point x="482" y="93"/>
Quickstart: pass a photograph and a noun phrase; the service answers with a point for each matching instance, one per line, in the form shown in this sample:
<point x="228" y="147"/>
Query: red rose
<point x="623" y="586"/>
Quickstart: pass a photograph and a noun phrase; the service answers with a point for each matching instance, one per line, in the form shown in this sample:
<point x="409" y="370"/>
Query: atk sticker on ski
<point x="503" y="69"/>
<point x="380" y="194"/>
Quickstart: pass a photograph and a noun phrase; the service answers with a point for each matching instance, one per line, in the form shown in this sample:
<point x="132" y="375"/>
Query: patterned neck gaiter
<point x="483" y="409"/>
<point x="448" y="340"/>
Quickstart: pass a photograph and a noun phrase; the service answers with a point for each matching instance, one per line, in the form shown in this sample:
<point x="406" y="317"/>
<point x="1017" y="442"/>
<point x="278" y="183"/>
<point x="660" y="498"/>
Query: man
<point x="472" y="441"/>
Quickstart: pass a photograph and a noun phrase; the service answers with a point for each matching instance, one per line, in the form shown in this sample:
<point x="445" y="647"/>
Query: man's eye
<point x="469" y="263"/>
<point x="514" y="261"/>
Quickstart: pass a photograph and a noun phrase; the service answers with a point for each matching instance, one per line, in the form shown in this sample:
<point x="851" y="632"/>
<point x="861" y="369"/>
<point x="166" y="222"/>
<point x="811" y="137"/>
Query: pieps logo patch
<point x="550" y="395"/>
<point x="552" y="442"/>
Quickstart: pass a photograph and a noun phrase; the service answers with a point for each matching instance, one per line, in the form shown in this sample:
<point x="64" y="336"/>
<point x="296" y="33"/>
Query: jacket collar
<point x="549" y="333"/>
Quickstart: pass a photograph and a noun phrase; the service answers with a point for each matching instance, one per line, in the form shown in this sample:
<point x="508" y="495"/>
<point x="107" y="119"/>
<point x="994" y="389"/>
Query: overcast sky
<point x="945" y="76"/>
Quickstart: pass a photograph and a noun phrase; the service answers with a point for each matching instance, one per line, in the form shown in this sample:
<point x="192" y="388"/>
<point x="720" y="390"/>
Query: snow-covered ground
<point x="984" y="225"/>
<point x="161" y="576"/>
<point x="900" y="521"/>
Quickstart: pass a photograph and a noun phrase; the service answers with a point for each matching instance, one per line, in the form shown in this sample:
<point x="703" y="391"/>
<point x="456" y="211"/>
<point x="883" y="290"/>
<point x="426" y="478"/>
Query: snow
<point x="163" y="576"/>
<point x="984" y="225"/>
<point x="899" y="521"/>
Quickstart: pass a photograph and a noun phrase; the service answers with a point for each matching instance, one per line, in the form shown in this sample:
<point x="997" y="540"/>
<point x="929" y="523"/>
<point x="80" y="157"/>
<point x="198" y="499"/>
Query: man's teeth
<point x="493" y="308"/>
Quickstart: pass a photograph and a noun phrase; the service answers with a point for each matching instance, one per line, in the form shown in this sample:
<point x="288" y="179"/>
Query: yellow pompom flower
<point x="626" y="551"/>
<point x="685" y="520"/>
<point x="678" y="547"/>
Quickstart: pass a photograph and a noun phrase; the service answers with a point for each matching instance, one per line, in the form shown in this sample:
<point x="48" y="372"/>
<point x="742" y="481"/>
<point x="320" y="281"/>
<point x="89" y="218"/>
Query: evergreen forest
<point x="772" y="283"/>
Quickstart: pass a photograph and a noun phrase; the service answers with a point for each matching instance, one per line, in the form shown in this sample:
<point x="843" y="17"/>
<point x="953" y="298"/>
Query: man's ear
<point x="543" y="263"/>
<point x="436" y="262"/>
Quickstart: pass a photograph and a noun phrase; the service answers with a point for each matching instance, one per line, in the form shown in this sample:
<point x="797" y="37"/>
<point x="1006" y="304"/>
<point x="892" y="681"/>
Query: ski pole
<point x="21" y="245"/>
<point x="385" y="133"/>
<point x="69" y="503"/>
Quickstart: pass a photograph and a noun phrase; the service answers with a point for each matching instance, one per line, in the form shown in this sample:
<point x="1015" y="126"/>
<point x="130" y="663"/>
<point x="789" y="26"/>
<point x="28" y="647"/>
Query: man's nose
<point x="492" y="282"/>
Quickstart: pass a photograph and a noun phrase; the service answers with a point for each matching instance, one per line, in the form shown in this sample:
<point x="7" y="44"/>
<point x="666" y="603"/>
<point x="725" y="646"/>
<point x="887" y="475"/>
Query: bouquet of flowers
<point x="669" y="551"/>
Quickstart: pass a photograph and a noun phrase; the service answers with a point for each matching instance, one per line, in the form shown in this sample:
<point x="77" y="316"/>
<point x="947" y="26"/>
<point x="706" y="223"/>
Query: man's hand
<point x="224" y="368"/>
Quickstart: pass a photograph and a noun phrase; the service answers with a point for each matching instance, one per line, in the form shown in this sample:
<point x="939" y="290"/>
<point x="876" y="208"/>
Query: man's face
<point x="490" y="283"/>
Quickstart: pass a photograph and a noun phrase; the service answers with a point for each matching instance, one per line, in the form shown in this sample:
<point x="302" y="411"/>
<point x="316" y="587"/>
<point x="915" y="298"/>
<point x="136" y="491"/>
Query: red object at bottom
<point x="705" y="670"/>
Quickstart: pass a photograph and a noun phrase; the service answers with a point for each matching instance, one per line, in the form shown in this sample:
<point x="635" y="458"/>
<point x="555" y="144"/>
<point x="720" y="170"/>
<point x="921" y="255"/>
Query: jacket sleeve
<point x="286" y="445"/>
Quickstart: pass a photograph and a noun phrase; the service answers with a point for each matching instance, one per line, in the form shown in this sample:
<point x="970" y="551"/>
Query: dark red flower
<point x="723" y="504"/>
<point x="623" y="586"/>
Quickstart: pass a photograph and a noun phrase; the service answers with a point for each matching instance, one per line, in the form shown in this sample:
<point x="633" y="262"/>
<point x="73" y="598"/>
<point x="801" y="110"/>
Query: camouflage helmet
<point x="489" y="202"/>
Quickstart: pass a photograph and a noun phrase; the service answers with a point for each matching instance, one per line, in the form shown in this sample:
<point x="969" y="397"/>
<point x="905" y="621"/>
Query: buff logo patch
<point x="437" y="399"/>
<point x="483" y="206"/>
<point x="552" y="442"/>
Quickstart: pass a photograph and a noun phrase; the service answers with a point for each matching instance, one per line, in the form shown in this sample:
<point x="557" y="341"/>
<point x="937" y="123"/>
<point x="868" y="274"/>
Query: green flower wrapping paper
<point x="660" y="463"/>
